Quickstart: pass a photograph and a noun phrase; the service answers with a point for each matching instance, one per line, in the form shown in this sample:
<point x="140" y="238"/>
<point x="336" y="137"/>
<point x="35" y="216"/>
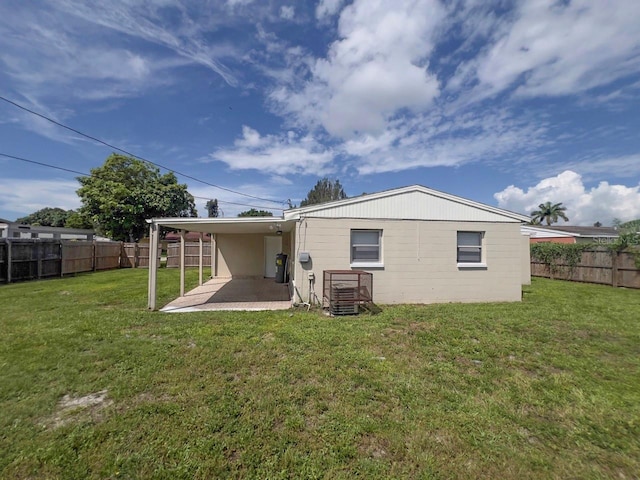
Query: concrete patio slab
<point x="250" y="294"/>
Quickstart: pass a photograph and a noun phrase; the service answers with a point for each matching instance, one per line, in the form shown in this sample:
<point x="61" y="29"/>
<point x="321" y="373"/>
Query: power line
<point x="84" y="174"/>
<point x="133" y="154"/>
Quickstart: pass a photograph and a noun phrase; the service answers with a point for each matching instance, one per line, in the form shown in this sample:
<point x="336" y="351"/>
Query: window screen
<point x="365" y="246"/>
<point x="469" y="247"/>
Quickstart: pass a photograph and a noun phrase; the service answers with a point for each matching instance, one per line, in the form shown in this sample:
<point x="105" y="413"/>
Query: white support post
<point x="182" y="263"/>
<point x="153" y="265"/>
<point x="214" y="257"/>
<point x="200" y="257"/>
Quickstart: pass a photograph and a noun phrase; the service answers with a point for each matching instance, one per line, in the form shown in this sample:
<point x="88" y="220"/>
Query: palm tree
<point x="549" y="212"/>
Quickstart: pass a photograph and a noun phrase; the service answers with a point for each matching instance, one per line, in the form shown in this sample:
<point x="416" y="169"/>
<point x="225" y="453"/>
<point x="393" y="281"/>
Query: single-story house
<point x="538" y="234"/>
<point x="9" y="229"/>
<point x="604" y="235"/>
<point x="420" y="245"/>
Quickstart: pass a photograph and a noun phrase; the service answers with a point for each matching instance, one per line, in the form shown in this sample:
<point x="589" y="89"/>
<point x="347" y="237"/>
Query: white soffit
<point x="410" y="203"/>
<point x="261" y="225"/>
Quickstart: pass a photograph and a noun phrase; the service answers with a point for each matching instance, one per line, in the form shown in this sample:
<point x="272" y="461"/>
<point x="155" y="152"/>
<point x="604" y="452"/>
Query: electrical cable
<point x="77" y="172"/>
<point x="134" y="155"/>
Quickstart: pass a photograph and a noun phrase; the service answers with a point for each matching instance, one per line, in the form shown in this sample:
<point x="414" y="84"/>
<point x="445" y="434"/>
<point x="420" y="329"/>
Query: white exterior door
<point x="272" y="247"/>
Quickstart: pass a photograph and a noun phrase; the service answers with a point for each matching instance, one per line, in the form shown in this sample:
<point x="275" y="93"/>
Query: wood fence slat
<point x="191" y="254"/>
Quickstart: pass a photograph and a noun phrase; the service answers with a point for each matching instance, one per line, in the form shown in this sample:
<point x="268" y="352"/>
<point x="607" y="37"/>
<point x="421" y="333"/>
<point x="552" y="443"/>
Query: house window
<point x="470" y="249"/>
<point x="365" y="248"/>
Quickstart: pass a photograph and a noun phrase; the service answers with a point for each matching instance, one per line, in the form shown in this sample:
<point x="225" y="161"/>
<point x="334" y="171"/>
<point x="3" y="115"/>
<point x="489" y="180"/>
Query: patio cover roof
<point x="237" y="225"/>
<point x="264" y="225"/>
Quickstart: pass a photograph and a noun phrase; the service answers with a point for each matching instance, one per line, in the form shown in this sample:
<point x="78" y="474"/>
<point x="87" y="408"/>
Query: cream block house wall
<point x="419" y="258"/>
<point x="242" y="255"/>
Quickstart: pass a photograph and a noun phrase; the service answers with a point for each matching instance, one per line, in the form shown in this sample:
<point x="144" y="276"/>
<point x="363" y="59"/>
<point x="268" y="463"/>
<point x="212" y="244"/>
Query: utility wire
<point x="84" y="174"/>
<point x="134" y="155"/>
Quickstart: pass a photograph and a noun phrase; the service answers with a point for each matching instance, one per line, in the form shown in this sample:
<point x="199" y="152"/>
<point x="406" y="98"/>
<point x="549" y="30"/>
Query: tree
<point x="47" y="217"/>
<point x="78" y="220"/>
<point x="631" y="226"/>
<point x="212" y="208"/>
<point x="120" y="195"/>
<point x="597" y="224"/>
<point x="325" y="191"/>
<point x="549" y="213"/>
<point x="255" y="213"/>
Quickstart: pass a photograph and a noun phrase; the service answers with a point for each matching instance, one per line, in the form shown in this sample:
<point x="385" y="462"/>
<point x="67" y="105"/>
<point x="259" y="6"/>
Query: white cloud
<point x="276" y="154"/>
<point x="377" y="68"/>
<point x="18" y="195"/>
<point x="45" y="55"/>
<point x="236" y="3"/>
<point x="621" y="166"/>
<point x="287" y="12"/>
<point x="146" y="21"/>
<point x="560" y="48"/>
<point x="585" y="206"/>
<point x="438" y="140"/>
<point x="328" y="8"/>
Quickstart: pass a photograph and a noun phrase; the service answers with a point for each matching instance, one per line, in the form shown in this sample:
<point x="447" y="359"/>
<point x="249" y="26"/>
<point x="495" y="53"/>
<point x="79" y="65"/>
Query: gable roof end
<point x="414" y="202"/>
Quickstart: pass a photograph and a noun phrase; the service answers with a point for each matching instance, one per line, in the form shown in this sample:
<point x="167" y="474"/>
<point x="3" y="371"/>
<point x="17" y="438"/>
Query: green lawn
<point x="546" y="388"/>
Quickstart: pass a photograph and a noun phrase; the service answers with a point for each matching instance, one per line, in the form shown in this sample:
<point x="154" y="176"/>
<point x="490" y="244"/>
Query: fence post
<point x="614" y="268"/>
<point x="38" y="246"/>
<point x="136" y="255"/>
<point x="95" y="259"/>
<point x="9" y="260"/>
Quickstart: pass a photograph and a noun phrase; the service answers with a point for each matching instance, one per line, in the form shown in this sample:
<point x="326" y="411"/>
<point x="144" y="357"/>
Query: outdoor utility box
<point x="281" y="268"/>
<point x="303" y="257"/>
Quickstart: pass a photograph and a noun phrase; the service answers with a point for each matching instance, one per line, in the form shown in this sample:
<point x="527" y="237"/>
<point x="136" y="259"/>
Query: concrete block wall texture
<point x="419" y="259"/>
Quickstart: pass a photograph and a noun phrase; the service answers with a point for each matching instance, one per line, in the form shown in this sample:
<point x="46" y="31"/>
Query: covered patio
<point x="243" y="254"/>
<point x="233" y="294"/>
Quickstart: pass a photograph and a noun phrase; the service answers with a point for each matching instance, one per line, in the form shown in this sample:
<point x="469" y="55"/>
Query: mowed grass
<point x="546" y="388"/>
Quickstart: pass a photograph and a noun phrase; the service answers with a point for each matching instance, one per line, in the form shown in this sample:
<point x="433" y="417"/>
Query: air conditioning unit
<point x="344" y="290"/>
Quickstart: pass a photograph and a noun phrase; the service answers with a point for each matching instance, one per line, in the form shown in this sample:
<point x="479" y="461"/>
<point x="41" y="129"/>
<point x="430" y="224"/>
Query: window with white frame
<point x="366" y="247"/>
<point x="470" y="248"/>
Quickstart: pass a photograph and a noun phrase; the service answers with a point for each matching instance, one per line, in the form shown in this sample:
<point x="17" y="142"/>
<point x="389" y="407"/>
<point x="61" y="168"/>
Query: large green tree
<point x="47" y="217"/>
<point x="255" y="213"/>
<point x="326" y="190"/>
<point x="120" y="195"/>
<point x="549" y="212"/>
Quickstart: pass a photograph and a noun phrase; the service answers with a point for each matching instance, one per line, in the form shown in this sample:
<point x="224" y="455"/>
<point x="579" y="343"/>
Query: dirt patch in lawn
<point x="72" y="409"/>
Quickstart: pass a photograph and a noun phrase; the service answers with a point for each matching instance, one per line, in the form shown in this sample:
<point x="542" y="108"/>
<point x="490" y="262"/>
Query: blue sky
<point x="511" y="103"/>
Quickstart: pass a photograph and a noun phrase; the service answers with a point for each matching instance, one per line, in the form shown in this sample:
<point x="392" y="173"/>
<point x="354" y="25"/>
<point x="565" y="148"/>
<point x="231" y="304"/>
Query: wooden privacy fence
<point x="28" y="259"/>
<point x="597" y="265"/>
<point x="135" y="255"/>
<point x="191" y="254"/>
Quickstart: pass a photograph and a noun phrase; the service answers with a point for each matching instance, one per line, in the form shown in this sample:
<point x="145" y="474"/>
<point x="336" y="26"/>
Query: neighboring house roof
<point x="414" y="202"/>
<point x="63" y="232"/>
<point x="594" y="232"/>
<point x="540" y="232"/>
